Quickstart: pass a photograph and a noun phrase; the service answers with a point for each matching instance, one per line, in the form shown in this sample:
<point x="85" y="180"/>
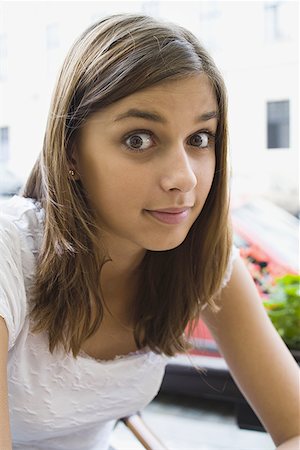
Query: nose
<point x="178" y="173"/>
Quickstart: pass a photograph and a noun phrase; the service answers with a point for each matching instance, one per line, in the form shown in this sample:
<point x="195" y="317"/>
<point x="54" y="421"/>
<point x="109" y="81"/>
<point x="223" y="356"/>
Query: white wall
<point x="255" y="70"/>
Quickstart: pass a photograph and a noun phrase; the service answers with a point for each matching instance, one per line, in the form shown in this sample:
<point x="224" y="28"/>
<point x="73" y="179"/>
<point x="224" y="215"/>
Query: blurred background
<point x="254" y="43"/>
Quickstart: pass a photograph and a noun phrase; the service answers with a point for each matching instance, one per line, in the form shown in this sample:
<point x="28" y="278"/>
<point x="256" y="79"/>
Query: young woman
<point x="120" y="239"/>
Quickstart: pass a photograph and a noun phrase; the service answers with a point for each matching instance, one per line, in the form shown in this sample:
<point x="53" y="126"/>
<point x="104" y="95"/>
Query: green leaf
<point x="283" y="308"/>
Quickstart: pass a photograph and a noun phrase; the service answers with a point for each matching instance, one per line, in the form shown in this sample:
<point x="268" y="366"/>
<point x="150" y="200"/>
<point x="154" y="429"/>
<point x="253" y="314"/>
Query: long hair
<point x="112" y="59"/>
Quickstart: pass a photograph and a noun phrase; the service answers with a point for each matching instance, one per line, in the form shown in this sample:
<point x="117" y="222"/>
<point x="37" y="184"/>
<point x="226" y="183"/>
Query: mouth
<point x="170" y="216"/>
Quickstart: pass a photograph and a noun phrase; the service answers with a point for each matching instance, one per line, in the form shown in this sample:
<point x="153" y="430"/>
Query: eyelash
<point x="211" y="138"/>
<point x="137" y="133"/>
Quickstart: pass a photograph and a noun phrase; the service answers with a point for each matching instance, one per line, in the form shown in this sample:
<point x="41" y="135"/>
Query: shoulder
<point x="237" y="290"/>
<point x="239" y="302"/>
<point x="20" y="228"/>
<point x="232" y="258"/>
<point x="26" y="217"/>
<point x="25" y="214"/>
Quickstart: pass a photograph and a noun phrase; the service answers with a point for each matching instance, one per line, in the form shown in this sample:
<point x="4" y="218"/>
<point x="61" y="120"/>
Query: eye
<point x="139" y="141"/>
<point x="201" y="139"/>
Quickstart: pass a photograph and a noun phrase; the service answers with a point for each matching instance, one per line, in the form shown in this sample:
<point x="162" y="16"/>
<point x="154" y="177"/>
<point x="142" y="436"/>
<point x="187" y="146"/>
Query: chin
<point x="164" y="246"/>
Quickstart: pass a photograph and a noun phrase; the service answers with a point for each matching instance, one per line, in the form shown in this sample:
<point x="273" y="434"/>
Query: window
<point x="278" y="19"/>
<point x="271" y="21"/>
<point x="3" y="57"/>
<point x="4" y="145"/>
<point x="278" y="114"/>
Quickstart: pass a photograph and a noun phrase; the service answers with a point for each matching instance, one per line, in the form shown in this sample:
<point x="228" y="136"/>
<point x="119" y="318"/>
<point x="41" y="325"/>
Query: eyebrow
<point x="154" y="117"/>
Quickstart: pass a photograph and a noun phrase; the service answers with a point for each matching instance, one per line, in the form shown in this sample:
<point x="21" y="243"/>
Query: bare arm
<point x="258" y="359"/>
<point x="291" y="444"/>
<point x="5" y="437"/>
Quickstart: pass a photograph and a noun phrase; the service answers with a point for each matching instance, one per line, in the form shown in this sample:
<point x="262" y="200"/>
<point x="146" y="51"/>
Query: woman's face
<point x="147" y="162"/>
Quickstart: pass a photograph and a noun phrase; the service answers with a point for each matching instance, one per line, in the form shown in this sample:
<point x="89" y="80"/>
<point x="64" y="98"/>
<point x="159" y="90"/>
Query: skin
<point x="132" y="163"/>
<point x="123" y="184"/>
<point x="257" y="358"/>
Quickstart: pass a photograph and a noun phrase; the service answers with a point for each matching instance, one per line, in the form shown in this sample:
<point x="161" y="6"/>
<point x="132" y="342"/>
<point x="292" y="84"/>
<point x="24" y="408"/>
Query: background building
<point x="255" y="44"/>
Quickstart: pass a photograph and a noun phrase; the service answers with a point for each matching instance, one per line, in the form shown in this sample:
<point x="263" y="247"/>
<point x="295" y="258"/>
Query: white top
<point x="56" y="401"/>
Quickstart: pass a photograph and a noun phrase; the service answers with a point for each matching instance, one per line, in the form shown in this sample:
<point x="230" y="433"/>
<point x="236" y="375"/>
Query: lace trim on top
<point x="130" y="355"/>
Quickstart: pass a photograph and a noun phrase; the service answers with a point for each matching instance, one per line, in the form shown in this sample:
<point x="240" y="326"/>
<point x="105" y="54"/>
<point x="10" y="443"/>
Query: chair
<point x="142" y="432"/>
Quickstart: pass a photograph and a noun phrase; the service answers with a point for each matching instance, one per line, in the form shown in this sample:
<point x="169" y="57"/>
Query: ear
<point x="73" y="163"/>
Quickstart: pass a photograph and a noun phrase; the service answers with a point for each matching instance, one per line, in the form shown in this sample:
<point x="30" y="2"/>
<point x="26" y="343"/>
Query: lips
<point x="171" y="216"/>
<point x="173" y="210"/>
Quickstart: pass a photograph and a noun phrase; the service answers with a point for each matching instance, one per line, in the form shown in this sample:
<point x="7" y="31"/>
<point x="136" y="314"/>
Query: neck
<point x="119" y="276"/>
<point x="121" y="267"/>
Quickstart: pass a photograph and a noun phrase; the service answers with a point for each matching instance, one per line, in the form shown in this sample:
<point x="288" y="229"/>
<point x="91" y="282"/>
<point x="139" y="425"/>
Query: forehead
<point x="196" y="88"/>
<point x="192" y="95"/>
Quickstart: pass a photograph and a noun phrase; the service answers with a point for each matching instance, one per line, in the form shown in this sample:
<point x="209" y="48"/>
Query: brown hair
<point x="112" y="59"/>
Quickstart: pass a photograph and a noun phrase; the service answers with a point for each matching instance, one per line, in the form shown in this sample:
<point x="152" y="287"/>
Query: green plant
<point x="283" y="308"/>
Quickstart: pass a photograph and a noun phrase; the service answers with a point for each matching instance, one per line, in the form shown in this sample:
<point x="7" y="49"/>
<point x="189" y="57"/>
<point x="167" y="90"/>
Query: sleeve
<point x="12" y="288"/>
<point x="233" y="256"/>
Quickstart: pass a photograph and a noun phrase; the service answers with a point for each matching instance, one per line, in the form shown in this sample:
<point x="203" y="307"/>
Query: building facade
<point x="255" y="45"/>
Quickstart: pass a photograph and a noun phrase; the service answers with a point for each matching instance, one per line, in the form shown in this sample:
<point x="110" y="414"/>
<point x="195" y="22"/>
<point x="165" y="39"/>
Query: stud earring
<point x="71" y="173"/>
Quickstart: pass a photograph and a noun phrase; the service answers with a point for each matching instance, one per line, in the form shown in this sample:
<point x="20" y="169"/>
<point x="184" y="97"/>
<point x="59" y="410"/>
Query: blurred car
<point x="268" y="240"/>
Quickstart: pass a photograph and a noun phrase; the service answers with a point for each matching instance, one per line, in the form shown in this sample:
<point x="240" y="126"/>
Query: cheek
<point x="113" y="185"/>
<point x="205" y="173"/>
